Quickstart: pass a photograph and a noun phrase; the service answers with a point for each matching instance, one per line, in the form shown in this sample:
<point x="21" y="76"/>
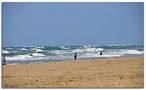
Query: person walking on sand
<point x="75" y="56"/>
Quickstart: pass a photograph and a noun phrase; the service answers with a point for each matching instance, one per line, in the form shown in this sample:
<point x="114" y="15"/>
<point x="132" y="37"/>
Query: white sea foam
<point x="123" y="52"/>
<point x="85" y="51"/>
<point x="100" y="49"/>
<point x="5" y="52"/>
<point x="88" y="49"/>
<point x="110" y="55"/>
<point x="59" y="52"/>
<point x="37" y="50"/>
<point x="91" y="49"/>
<point x="37" y="55"/>
<point x="78" y="50"/>
<point x="86" y="46"/>
<point x="131" y="52"/>
<point x="63" y="47"/>
<point x="20" y="57"/>
<point x="39" y="47"/>
<point x="92" y="55"/>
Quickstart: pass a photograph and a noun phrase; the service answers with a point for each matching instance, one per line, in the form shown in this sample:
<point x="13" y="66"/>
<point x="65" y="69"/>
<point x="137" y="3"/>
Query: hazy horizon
<point x="78" y="45"/>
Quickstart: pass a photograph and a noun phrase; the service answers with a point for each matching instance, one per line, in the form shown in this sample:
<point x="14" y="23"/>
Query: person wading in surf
<point x="101" y="53"/>
<point x="3" y="60"/>
<point x="75" y="56"/>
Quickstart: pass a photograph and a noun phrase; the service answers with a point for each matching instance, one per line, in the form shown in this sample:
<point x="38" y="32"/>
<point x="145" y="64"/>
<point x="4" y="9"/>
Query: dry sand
<point x="92" y="73"/>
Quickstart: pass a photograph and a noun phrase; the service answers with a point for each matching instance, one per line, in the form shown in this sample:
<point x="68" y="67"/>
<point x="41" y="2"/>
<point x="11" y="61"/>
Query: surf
<point x="64" y="52"/>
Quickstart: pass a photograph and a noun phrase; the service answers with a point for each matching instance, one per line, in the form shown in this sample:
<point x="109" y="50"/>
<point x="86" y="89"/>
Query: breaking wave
<point x="67" y="52"/>
<point x="5" y="52"/>
<point x="20" y="57"/>
<point x="37" y="50"/>
<point x="131" y="52"/>
<point x="37" y="55"/>
<point x="23" y="49"/>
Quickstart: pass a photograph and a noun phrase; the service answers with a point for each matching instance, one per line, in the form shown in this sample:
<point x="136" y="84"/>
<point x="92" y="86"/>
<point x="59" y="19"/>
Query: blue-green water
<point x="30" y="54"/>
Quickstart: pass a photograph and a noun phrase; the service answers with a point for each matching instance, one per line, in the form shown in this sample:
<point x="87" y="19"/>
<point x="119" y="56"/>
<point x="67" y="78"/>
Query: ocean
<point x="32" y="54"/>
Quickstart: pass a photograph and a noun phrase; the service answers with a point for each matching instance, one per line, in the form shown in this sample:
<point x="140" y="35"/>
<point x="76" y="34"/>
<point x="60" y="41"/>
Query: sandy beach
<point x="125" y="72"/>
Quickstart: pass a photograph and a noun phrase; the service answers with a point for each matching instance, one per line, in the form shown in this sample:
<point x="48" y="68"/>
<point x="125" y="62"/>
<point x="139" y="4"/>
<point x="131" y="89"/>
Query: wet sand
<point x="122" y="72"/>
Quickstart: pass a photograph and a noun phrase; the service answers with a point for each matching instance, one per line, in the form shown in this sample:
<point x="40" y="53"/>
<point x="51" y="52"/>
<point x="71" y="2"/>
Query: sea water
<point x="31" y="54"/>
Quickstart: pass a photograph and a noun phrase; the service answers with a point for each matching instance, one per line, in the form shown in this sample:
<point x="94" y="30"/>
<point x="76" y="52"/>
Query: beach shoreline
<point x="123" y="72"/>
<point x="59" y="60"/>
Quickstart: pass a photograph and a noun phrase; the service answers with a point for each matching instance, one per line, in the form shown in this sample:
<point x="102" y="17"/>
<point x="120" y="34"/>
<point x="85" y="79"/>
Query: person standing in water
<point x="101" y="53"/>
<point x="3" y="59"/>
<point x="75" y="56"/>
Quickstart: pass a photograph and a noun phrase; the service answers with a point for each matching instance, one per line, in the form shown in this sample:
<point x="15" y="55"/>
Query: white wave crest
<point x="36" y="50"/>
<point x="123" y="52"/>
<point x="78" y="50"/>
<point x="39" y="47"/>
<point x="63" y="47"/>
<point x="100" y="49"/>
<point x="20" y="57"/>
<point x="88" y="50"/>
<point x="131" y="52"/>
<point x="59" y="52"/>
<point x="37" y="55"/>
<point x="5" y="52"/>
<point x="92" y="55"/>
<point x="86" y="46"/>
<point x="23" y="49"/>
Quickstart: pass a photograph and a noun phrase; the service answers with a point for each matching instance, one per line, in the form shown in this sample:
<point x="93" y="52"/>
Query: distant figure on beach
<point x="3" y="60"/>
<point x="101" y="53"/>
<point x="75" y="56"/>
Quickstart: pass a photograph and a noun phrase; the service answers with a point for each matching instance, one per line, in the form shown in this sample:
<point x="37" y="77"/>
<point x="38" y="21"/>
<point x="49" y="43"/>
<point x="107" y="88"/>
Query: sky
<point x="97" y="23"/>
